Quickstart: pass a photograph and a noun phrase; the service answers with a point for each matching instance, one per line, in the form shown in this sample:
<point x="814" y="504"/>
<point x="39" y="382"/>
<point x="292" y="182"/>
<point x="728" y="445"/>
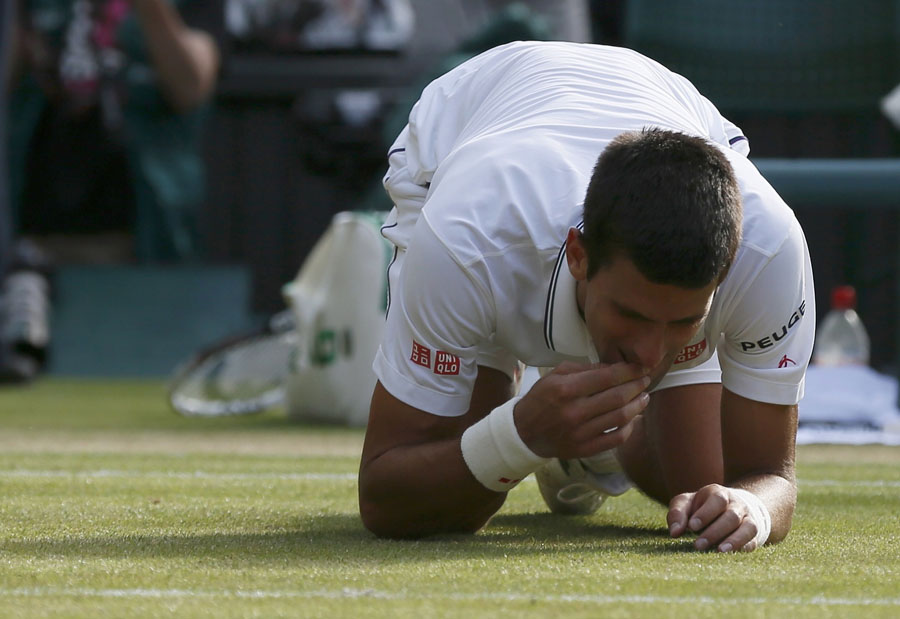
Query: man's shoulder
<point x="768" y="219"/>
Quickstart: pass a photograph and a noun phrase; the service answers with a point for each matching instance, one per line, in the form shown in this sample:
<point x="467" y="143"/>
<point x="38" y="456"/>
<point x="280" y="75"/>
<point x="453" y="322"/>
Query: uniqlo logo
<point x="421" y="355"/>
<point x="690" y="352"/>
<point x="446" y="364"/>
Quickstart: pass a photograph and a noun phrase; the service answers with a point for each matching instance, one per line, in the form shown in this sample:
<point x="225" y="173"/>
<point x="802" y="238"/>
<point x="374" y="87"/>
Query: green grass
<point x="112" y="506"/>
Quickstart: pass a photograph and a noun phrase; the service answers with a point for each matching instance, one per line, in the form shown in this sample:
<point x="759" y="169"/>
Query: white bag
<point x="339" y="299"/>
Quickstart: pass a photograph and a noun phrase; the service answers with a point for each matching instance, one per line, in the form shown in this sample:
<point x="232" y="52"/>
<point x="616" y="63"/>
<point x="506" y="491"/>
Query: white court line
<point x="104" y="473"/>
<point x="348" y="593"/>
<point x="878" y="483"/>
<point x="107" y="473"/>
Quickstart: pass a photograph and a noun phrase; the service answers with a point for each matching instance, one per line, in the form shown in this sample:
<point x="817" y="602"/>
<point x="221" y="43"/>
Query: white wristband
<point x="759" y="513"/>
<point x="494" y="451"/>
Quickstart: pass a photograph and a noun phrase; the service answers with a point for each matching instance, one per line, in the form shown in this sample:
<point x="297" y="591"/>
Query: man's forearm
<point x="657" y="457"/>
<point x="758" y="446"/>
<point x="420" y="490"/>
<point x="186" y="61"/>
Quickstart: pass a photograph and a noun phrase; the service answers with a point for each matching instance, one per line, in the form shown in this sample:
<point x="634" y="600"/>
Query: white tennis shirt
<point x="487" y="178"/>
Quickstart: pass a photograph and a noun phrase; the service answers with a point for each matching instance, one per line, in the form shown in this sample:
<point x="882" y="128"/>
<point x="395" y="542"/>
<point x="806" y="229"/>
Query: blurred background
<point x="307" y="96"/>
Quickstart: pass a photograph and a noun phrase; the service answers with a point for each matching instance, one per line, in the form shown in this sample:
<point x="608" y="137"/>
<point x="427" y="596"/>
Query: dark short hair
<point x="667" y="201"/>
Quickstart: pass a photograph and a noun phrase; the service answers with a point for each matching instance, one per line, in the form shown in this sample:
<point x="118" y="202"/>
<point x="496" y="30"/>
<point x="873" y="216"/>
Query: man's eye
<point x="690" y="324"/>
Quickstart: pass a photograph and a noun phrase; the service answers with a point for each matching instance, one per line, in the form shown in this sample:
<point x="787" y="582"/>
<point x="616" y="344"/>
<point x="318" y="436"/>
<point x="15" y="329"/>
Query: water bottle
<point x="842" y="338"/>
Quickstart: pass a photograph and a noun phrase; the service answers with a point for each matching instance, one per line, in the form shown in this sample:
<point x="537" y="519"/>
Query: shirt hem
<point x="764" y="391"/>
<point x="414" y="395"/>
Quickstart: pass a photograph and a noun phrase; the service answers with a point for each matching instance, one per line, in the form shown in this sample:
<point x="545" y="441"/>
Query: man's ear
<point x="576" y="255"/>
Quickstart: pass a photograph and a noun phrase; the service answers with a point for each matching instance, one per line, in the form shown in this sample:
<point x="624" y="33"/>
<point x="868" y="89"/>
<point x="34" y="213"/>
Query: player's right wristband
<point x="494" y="451"/>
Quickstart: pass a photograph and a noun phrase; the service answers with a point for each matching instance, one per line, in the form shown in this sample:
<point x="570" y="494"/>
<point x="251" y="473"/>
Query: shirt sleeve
<point x="768" y="338"/>
<point x="440" y="313"/>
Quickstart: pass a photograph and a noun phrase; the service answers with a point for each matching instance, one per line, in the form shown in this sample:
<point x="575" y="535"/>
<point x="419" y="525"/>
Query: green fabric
<point x="164" y="147"/>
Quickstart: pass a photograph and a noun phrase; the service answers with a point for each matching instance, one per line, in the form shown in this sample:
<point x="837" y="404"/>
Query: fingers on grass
<point x="677" y="517"/>
<point x="728" y="523"/>
<point x="744" y="538"/>
<point x="713" y="501"/>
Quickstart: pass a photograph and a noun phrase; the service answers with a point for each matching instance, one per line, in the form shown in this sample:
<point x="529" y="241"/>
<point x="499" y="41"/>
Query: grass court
<point x="113" y="506"/>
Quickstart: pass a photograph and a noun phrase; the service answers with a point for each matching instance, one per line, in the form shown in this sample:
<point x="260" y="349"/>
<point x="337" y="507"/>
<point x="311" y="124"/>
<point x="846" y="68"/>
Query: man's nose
<point x="650" y="348"/>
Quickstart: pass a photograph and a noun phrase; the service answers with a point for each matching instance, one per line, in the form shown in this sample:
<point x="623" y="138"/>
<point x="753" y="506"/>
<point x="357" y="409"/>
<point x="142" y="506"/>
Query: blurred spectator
<point x="306" y="25"/>
<point x="567" y="20"/>
<point x="106" y="109"/>
<point x="6" y="15"/>
<point x="15" y="365"/>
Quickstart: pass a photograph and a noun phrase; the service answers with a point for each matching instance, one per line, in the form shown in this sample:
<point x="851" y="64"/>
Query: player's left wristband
<point x="494" y="451"/>
<point x="758" y="512"/>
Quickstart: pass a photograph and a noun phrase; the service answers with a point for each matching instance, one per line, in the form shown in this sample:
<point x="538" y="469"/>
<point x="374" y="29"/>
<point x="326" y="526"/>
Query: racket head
<point x="241" y="375"/>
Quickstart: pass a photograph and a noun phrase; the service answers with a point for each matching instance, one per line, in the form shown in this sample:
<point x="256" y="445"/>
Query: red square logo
<point x="446" y="364"/>
<point x="421" y="355"/>
<point x="689" y="353"/>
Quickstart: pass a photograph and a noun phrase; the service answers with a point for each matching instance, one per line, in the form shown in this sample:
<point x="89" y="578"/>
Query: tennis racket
<point x="241" y="375"/>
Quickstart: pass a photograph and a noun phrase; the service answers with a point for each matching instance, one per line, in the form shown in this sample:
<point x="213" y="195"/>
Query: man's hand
<point x="580" y="410"/>
<point x="721" y="516"/>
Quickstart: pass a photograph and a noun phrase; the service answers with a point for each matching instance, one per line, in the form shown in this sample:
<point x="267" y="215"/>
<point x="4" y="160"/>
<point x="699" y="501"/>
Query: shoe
<point x="17" y="368"/>
<point x="580" y="486"/>
<point x="24" y="326"/>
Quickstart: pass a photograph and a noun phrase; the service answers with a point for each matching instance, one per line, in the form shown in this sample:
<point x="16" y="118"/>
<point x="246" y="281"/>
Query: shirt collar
<point x="564" y="328"/>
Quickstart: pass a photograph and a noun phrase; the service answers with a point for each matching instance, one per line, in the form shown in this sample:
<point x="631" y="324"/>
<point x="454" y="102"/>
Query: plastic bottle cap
<point x="843" y="297"/>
